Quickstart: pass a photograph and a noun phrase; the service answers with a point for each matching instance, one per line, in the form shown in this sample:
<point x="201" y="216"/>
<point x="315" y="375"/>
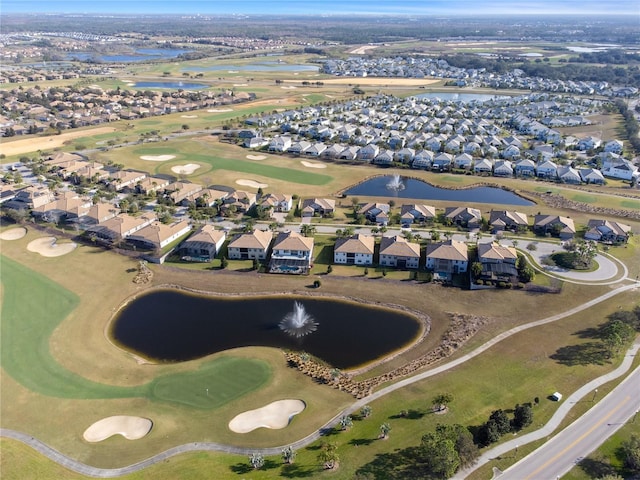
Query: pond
<point x="172" y="85"/>
<point x="417" y="189"/>
<point x="174" y="326"/>
<point x="266" y="66"/>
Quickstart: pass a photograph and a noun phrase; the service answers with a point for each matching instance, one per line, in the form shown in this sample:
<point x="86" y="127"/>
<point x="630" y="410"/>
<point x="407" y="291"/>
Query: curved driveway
<point x="88" y="470"/>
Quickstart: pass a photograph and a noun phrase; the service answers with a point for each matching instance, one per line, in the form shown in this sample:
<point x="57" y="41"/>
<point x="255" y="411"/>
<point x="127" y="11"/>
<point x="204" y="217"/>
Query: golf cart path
<point x="95" y="472"/>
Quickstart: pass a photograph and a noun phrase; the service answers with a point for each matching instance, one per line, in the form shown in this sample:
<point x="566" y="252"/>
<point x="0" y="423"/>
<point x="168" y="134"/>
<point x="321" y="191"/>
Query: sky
<point x="337" y="7"/>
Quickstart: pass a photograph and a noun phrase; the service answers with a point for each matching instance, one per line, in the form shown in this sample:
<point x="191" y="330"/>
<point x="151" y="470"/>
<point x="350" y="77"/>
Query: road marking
<point x="582" y="437"/>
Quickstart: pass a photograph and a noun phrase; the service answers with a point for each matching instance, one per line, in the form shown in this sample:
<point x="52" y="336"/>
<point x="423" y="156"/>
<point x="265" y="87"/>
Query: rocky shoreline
<point x="559" y="202"/>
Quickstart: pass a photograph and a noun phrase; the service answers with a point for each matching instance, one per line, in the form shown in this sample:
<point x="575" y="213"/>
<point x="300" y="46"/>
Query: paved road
<point x="562" y="452"/>
<point x="111" y="473"/>
<point x="578" y="448"/>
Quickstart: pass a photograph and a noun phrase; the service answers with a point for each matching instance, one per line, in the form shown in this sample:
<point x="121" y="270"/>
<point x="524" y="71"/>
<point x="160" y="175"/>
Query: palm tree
<point x="307" y="230"/>
<point x="256" y="460"/>
<point x="385" y="428"/>
<point x="346" y="422"/>
<point x="365" y="411"/>
<point x="288" y="455"/>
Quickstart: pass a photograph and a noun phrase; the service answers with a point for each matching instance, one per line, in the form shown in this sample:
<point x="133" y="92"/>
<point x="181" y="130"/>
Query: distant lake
<point x="267" y="66"/>
<point x="413" y="188"/>
<point x="140" y="55"/>
<point x="172" y="85"/>
<point x="462" y="97"/>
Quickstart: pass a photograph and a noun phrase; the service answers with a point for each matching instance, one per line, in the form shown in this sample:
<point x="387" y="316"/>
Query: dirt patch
<point x="49" y="247"/>
<point x="363" y="49"/>
<point x="256" y="157"/>
<point x="13" y="233"/>
<point x="290" y="87"/>
<point x="33" y="144"/>
<point x="187" y="169"/>
<point x="188" y="116"/>
<point x="131" y="428"/>
<point x="219" y="110"/>
<point x="157" y="158"/>
<point x="313" y="164"/>
<point x="251" y="183"/>
<point x="276" y="415"/>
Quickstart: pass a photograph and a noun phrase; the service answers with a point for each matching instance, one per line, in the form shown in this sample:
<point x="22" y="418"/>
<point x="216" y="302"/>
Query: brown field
<point x="33" y="144"/>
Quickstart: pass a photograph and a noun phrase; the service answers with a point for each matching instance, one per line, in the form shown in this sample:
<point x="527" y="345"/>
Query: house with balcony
<point x="355" y="250"/>
<point x="157" y="235"/>
<point x="498" y="261"/>
<point x="322" y="207"/>
<point x="121" y="226"/>
<point x="398" y="252"/>
<point x="416" y="213"/>
<point x="501" y="220"/>
<point x="554" y="225"/>
<point x="375" y="212"/>
<point x="277" y="202"/>
<point x="465" y="217"/>
<point x="250" y="246"/>
<point x="292" y="253"/>
<point x="448" y="258"/>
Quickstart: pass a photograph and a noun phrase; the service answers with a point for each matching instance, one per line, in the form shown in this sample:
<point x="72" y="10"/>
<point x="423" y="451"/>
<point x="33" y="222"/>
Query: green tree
<point x="488" y="433"/>
<point x="440" y="455"/>
<point x="365" y="411"/>
<point x="501" y="419"/>
<point x="307" y="230"/>
<point x="631" y="452"/>
<point x="616" y="334"/>
<point x="476" y="269"/>
<point x="346" y="422"/>
<point x="442" y="400"/>
<point x="385" y="428"/>
<point x="328" y="455"/>
<point x="224" y="263"/>
<point x="522" y="416"/>
<point x="463" y="440"/>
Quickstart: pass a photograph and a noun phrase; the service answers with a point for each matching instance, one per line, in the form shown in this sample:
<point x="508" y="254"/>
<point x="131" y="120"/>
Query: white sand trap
<point x="48" y="247"/>
<point x="313" y="164"/>
<point x="131" y="428"/>
<point x="276" y="415"/>
<point x="240" y="84"/>
<point x="219" y="110"/>
<point x="251" y="183"/>
<point x="189" y="116"/>
<point x="187" y="169"/>
<point x="157" y="158"/>
<point x="13" y="233"/>
<point x="290" y="87"/>
<point x="256" y="157"/>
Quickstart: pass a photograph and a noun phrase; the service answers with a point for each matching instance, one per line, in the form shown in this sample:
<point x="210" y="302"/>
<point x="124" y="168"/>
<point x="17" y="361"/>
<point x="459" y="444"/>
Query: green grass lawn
<point x="33" y="306"/>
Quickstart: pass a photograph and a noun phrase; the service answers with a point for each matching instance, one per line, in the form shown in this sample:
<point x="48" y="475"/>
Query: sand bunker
<point x="251" y="183"/>
<point x="13" y="233"/>
<point x="187" y="169"/>
<point x="275" y="415"/>
<point x="219" y="110"/>
<point x="313" y="165"/>
<point x="48" y="247"/>
<point x="157" y="158"/>
<point x="240" y="85"/>
<point x="256" y="157"/>
<point x="290" y="87"/>
<point x="189" y="116"/>
<point x="131" y="428"/>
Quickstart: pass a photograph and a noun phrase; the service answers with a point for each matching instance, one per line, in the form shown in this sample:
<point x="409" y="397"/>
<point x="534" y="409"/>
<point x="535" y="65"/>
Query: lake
<point x="172" y="85"/>
<point x="174" y="326"/>
<point x="140" y="55"/>
<point x="417" y="189"/>
<point x="268" y="66"/>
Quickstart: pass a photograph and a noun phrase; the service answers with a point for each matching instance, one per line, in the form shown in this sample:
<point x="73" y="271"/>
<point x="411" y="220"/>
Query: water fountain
<point x="298" y="323"/>
<point x="395" y="184"/>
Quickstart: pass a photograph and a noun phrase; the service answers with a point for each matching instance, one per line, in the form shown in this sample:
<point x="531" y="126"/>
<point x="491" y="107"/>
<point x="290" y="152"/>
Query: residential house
<point x="150" y="185"/>
<point x="67" y="206"/>
<point x="180" y="191"/>
<point x="126" y="179"/>
<point x="157" y="235"/>
<point x="248" y="246"/>
<point x="98" y="213"/>
<point x="498" y="261"/>
<point x="368" y="152"/>
<point x="298" y="148"/>
<point x="373" y="211"/>
<point x="355" y="250"/>
<point x="384" y="157"/>
<point x="592" y="176"/>
<point x="503" y="168"/>
<point x="32" y="197"/>
<point x="588" y="143"/>
<point x="501" y="220"/>
<point x="292" y="253"/>
<point x="277" y="202"/>
<point x="607" y="231"/>
<point x="463" y="160"/>
<point x="614" y="146"/>
<point x="422" y="159"/>
<point x="398" y="252"/>
<point x="405" y="155"/>
<point x="280" y="144"/>
<point x="547" y="169"/>
<point x="555" y="225"/>
<point x="463" y="216"/>
<point x="318" y="206"/>
<point x="445" y="259"/>
<point x="621" y="169"/>
<point x="121" y="226"/>
<point x="484" y="165"/>
<point x="238" y="201"/>
<point x="416" y="213"/>
<point x="203" y="245"/>
<point x="567" y="174"/>
<point x="442" y="162"/>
